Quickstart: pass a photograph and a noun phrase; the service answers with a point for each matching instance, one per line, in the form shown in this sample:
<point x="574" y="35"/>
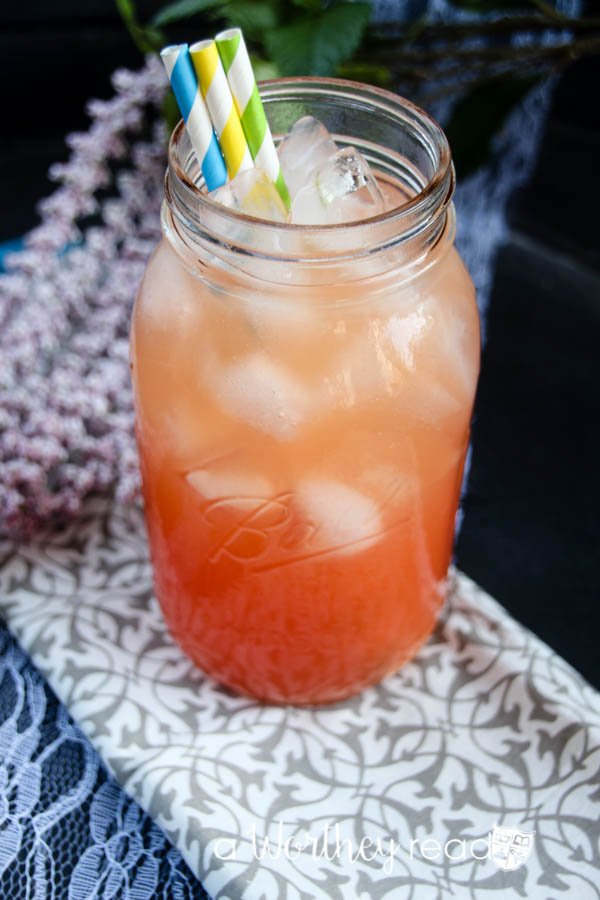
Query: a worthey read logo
<point x="510" y="847"/>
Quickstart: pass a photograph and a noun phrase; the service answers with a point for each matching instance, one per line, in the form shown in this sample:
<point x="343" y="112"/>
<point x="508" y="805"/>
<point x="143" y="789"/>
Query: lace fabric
<point x="67" y="829"/>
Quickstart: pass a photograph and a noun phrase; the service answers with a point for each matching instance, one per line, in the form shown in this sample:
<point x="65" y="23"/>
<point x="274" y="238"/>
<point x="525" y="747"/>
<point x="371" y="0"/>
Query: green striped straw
<point x="236" y="62"/>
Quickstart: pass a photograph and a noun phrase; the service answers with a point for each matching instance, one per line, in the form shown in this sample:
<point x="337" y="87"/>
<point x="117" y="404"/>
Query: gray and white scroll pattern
<point x="486" y="727"/>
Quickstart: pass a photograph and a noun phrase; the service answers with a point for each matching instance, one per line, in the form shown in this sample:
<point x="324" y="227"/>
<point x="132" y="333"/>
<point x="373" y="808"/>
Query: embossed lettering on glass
<point x="303" y="400"/>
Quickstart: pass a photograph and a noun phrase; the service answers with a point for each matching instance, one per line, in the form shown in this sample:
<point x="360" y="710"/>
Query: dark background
<point x="530" y="532"/>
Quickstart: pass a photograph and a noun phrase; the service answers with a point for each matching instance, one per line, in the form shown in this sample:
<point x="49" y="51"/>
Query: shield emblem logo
<point x="511" y="847"/>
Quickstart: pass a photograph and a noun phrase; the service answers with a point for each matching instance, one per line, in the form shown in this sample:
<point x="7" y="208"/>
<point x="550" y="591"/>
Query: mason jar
<point x="303" y="402"/>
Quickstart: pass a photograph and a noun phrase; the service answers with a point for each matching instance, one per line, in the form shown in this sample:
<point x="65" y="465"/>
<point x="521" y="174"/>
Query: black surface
<point x="54" y="56"/>
<point x="561" y="202"/>
<point x="530" y="531"/>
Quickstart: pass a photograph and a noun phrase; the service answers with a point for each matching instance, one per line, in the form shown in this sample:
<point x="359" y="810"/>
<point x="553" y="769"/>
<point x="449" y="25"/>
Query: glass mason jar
<point x="303" y="401"/>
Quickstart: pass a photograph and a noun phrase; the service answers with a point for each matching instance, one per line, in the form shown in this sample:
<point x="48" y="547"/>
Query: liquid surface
<point x="302" y="461"/>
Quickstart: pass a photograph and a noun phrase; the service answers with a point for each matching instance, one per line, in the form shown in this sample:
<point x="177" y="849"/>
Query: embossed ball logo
<point x="266" y="534"/>
<point x="511" y="847"/>
<point x="252" y="529"/>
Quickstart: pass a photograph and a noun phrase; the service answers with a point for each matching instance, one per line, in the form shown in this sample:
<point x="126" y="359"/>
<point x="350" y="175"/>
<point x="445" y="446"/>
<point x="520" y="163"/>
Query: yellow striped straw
<point x="215" y="90"/>
<point x="246" y="96"/>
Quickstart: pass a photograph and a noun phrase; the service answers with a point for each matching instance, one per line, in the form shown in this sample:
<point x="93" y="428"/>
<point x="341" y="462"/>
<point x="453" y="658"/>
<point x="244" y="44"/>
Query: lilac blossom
<point x="66" y="416"/>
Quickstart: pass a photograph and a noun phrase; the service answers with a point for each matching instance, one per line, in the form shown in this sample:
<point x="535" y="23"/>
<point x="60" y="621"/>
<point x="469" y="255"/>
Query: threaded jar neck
<point x="405" y="147"/>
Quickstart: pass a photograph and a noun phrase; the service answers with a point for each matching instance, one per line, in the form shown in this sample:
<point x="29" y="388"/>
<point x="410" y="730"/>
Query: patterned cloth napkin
<point x="475" y="769"/>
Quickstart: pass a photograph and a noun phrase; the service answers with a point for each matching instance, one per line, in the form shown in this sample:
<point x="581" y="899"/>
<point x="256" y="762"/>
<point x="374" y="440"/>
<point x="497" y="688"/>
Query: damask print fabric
<point x="486" y="728"/>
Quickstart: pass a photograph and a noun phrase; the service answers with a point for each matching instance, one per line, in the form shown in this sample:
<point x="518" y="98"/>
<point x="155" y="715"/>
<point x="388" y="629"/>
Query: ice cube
<point x="423" y="388"/>
<point x="306" y="145"/>
<point x="406" y="331"/>
<point x="393" y="486"/>
<point x="252" y="192"/>
<point x="287" y="327"/>
<point x="432" y="402"/>
<point x="171" y="301"/>
<point x="379" y="466"/>
<point x="382" y="360"/>
<point x="223" y="480"/>
<point x="345" y="520"/>
<point x="404" y="357"/>
<point x="365" y="370"/>
<point x="458" y="350"/>
<point x="264" y="394"/>
<point x="432" y="343"/>
<point x="342" y="189"/>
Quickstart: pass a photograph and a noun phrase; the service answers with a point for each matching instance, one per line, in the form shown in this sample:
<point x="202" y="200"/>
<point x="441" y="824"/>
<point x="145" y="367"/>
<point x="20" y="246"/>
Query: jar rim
<point x="201" y="214"/>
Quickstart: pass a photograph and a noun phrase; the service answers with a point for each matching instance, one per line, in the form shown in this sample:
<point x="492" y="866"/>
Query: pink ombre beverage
<point x="303" y="406"/>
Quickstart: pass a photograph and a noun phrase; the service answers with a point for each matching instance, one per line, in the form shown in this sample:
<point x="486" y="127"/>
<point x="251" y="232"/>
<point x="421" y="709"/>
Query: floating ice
<point x="406" y="331"/>
<point x="416" y="342"/>
<point x="193" y="432"/>
<point x="410" y="356"/>
<point x="434" y="403"/>
<point x="285" y="325"/>
<point x="224" y="480"/>
<point x="436" y="350"/>
<point x="252" y="192"/>
<point x="345" y="520"/>
<point x="265" y="395"/>
<point x="341" y="189"/>
<point x="394" y="488"/>
<point x="172" y="301"/>
<point x="458" y="351"/>
<point x="307" y="145"/>
<point x="376" y="362"/>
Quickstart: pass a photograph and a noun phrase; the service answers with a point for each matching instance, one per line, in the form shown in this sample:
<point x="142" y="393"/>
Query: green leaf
<point x="254" y="18"/>
<point x="479" y="115"/>
<point x="368" y="73"/>
<point x="182" y="9"/>
<point x="312" y="5"/>
<point x="128" y="12"/>
<point x="486" y="6"/>
<point x="171" y="112"/>
<point x="147" y="40"/>
<point x="315" y="45"/>
<point x="263" y="69"/>
<point x="153" y="38"/>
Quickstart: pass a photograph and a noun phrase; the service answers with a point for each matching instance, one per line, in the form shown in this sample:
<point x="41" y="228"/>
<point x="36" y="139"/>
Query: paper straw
<point x="181" y="74"/>
<point x="240" y="76"/>
<point x="217" y="95"/>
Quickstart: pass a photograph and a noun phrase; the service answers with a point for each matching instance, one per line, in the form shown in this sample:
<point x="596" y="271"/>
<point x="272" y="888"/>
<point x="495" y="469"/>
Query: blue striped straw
<point x="180" y="70"/>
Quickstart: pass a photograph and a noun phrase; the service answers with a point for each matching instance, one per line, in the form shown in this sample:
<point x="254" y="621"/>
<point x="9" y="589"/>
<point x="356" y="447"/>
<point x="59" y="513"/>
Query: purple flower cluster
<point x="66" y="416"/>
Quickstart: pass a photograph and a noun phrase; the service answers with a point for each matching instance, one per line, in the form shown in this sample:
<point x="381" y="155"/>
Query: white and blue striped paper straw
<point x="180" y="70"/>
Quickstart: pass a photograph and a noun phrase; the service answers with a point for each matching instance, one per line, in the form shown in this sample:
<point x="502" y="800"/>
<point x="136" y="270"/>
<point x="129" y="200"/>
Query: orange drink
<point x="303" y="402"/>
